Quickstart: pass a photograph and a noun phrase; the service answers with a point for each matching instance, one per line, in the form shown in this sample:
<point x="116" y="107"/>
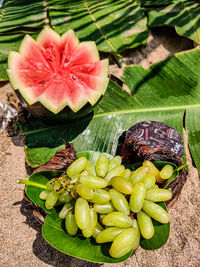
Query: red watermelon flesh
<point x="18" y="62"/>
<point x="30" y="83"/>
<point x="31" y="52"/>
<point x="58" y="71"/>
<point x="69" y="43"/>
<point x="97" y="69"/>
<point x="49" y="45"/>
<point x="83" y="55"/>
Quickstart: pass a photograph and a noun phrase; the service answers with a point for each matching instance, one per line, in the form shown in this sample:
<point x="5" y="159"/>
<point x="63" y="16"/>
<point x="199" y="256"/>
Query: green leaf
<point x="113" y="25"/>
<point x="77" y="246"/>
<point x="38" y="156"/>
<point x="161" y="234"/>
<point x="162" y="93"/>
<point x="55" y="234"/>
<point x="7" y="42"/>
<point x="163" y="88"/>
<point x="183" y="14"/>
<point x="22" y="16"/>
<point x="103" y="131"/>
<point x="193" y="129"/>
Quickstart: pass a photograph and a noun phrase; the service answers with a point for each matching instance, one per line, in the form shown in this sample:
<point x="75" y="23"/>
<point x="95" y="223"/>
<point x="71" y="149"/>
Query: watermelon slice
<point x="58" y="72"/>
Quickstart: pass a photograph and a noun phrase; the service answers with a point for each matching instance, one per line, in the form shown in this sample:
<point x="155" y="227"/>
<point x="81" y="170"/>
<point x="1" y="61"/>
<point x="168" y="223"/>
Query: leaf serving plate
<point x="53" y="229"/>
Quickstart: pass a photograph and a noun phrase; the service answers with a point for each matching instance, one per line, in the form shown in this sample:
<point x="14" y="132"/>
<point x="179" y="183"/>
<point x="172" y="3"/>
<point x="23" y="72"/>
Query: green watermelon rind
<point x="45" y="32"/>
<point x="67" y="33"/>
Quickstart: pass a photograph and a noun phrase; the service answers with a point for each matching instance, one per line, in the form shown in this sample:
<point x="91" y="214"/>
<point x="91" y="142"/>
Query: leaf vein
<point x="192" y="20"/>
<point x="99" y="27"/>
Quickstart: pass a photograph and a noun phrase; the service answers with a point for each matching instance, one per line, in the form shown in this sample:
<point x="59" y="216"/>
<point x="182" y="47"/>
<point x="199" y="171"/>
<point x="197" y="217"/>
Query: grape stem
<point x="182" y="166"/>
<point x="28" y="182"/>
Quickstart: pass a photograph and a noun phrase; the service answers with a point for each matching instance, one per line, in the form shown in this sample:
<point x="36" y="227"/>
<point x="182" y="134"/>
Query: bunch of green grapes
<point x="108" y="202"/>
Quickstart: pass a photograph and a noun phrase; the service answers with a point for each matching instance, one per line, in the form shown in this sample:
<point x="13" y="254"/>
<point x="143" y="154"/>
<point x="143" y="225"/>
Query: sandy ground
<point x="21" y="240"/>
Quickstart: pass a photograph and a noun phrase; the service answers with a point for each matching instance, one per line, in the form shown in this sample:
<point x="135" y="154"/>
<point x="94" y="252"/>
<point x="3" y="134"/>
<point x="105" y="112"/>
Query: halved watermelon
<point x="58" y="72"/>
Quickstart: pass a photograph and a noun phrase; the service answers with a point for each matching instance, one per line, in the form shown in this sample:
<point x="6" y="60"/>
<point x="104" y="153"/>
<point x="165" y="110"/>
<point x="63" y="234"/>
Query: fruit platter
<point x="81" y="206"/>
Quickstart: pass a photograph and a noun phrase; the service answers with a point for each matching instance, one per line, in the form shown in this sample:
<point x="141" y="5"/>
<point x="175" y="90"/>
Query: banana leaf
<point x="163" y="92"/>
<point x="22" y="16"/>
<point x="53" y="230"/>
<point x="193" y="128"/>
<point x="113" y="25"/>
<point x="183" y="15"/>
<point x="100" y="132"/>
<point x="7" y="42"/>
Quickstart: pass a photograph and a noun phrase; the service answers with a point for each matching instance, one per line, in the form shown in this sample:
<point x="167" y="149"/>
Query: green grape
<point x="101" y="216"/>
<point x="158" y="194"/>
<point x="149" y="181"/>
<point x="121" y="184"/>
<point x="51" y="200"/>
<point x="117" y="171"/>
<point x="57" y="187"/>
<point x="123" y="243"/>
<point x="70" y="224"/>
<point x="138" y="174"/>
<point x="44" y="194"/>
<point x="137" y="240"/>
<point x="90" y="168"/>
<point x="137" y="197"/>
<point x="118" y="219"/>
<point x="65" y="196"/>
<point x="97" y="230"/>
<point x="145" y="225"/>
<point x="93" y="181"/>
<point x="108" y="234"/>
<point x="74" y="179"/>
<point x="77" y="166"/>
<point x="166" y="171"/>
<point x="156" y="212"/>
<point x="100" y="196"/>
<point x="89" y="230"/>
<point x="85" y="191"/>
<point x="102" y="165"/>
<point x="82" y="213"/>
<point x="119" y="201"/>
<point x="153" y="170"/>
<point x="84" y="173"/>
<point x="49" y="185"/>
<point x="114" y="162"/>
<point x="65" y="209"/>
<point x="127" y="174"/>
<point x="105" y="208"/>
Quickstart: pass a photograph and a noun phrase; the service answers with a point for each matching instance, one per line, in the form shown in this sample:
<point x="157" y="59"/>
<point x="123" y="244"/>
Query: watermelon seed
<point x="49" y="59"/>
<point x="74" y="77"/>
<point x="66" y="61"/>
<point x="42" y="82"/>
<point x="80" y="79"/>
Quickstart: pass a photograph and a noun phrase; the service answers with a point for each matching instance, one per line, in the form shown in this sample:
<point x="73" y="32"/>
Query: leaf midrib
<point x="47" y="223"/>
<point x="184" y="107"/>
<point x="146" y="110"/>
